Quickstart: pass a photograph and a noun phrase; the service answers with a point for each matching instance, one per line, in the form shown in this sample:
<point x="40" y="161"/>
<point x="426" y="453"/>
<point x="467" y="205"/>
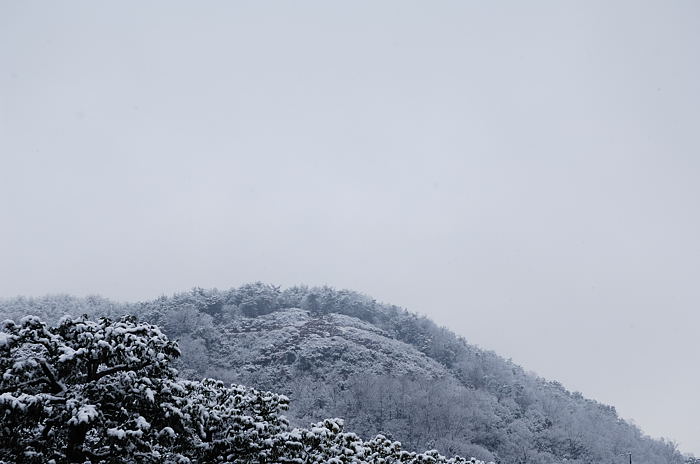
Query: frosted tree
<point x="85" y="390"/>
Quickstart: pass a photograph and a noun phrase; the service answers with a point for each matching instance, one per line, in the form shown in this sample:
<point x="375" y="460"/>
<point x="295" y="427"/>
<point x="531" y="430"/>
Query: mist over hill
<point x="381" y="368"/>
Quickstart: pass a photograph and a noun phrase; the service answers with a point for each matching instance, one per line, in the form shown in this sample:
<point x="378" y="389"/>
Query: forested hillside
<point x="105" y="392"/>
<point x="383" y="369"/>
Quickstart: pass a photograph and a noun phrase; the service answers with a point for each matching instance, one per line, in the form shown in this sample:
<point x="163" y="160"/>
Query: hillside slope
<point x="383" y="369"/>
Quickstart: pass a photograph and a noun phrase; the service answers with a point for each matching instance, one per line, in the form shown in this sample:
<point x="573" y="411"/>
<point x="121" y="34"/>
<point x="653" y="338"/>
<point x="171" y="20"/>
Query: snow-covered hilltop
<point x="384" y="370"/>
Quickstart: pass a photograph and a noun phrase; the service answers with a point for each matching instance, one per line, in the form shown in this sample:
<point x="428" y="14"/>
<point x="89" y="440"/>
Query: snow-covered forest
<point x="105" y="392"/>
<point x="117" y="390"/>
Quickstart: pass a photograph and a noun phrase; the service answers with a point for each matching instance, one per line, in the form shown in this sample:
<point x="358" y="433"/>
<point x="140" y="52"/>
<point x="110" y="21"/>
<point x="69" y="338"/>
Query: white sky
<point x="526" y="174"/>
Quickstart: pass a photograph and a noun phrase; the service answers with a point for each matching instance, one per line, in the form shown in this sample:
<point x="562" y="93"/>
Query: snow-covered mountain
<point x="381" y="368"/>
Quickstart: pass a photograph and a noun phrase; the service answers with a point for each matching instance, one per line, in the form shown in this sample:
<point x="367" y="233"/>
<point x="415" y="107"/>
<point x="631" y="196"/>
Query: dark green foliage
<point x="84" y="390"/>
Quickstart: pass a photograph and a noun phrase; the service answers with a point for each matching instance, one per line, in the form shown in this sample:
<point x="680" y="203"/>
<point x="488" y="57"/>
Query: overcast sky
<point x="526" y="174"/>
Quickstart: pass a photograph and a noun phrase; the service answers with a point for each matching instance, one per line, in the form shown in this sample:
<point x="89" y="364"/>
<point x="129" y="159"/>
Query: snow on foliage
<point x="105" y="392"/>
<point x="384" y="369"/>
<point x="323" y="342"/>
